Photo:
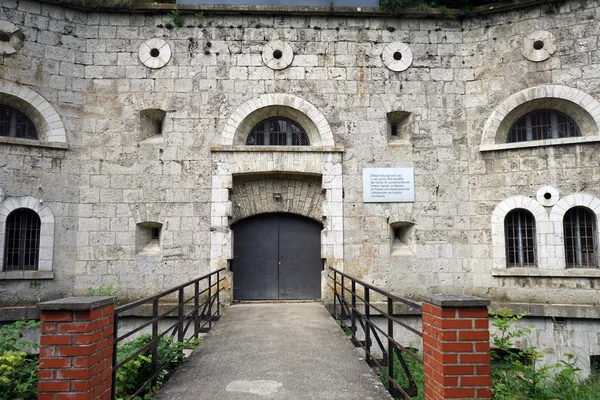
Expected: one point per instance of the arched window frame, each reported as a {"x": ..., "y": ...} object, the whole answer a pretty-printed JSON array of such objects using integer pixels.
[
  {"x": 265, "y": 132},
  {"x": 580, "y": 238},
  {"x": 46, "y": 243},
  {"x": 543, "y": 124},
  {"x": 21, "y": 241},
  {"x": 15, "y": 123},
  {"x": 520, "y": 239},
  {"x": 48, "y": 124},
  {"x": 581, "y": 107}
]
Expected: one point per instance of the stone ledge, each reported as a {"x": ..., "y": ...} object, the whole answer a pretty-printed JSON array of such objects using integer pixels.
[
  {"x": 539, "y": 143},
  {"x": 311, "y": 10},
  {"x": 13, "y": 275},
  {"x": 33, "y": 143},
  {"x": 559, "y": 273},
  {"x": 77, "y": 303},
  {"x": 455, "y": 300},
  {"x": 579, "y": 311},
  {"x": 276, "y": 149}
]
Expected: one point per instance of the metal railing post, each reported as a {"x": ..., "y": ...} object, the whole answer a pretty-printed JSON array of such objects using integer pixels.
[
  {"x": 335, "y": 293},
  {"x": 218, "y": 293},
  {"x": 342, "y": 302},
  {"x": 367, "y": 328},
  {"x": 154, "y": 347},
  {"x": 390, "y": 360},
  {"x": 210, "y": 301},
  {"x": 196, "y": 309},
  {"x": 354, "y": 310},
  {"x": 180, "y": 316}
]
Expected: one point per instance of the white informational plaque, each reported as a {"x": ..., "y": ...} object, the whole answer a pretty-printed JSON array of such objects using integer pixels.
[{"x": 388, "y": 185}]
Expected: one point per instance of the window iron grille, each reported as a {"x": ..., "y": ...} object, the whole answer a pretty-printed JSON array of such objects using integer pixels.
[
  {"x": 277, "y": 131},
  {"x": 579, "y": 226},
  {"x": 543, "y": 124},
  {"x": 14, "y": 123},
  {"x": 519, "y": 231},
  {"x": 22, "y": 240}
]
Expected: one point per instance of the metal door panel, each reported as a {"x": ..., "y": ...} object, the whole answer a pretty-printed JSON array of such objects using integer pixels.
[
  {"x": 300, "y": 258},
  {"x": 254, "y": 263},
  {"x": 277, "y": 256}
]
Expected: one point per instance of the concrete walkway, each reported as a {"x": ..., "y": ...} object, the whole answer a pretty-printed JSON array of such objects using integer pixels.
[{"x": 291, "y": 351}]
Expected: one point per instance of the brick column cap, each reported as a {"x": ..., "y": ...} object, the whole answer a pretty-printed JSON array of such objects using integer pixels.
[
  {"x": 456, "y": 300},
  {"x": 77, "y": 303}
]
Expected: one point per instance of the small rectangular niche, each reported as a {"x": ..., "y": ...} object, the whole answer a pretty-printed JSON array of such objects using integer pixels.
[
  {"x": 152, "y": 123},
  {"x": 148, "y": 238},
  {"x": 402, "y": 238},
  {"x": 595, "y": 365},
  {"x": 399, "y": 127}
]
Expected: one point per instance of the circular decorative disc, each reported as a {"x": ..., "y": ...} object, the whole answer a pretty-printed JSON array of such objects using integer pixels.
[
  {"x": 155, "y": 53},
  {"x": 397, "y": 56},
  {"x": 277, "y": 55},
  {"x": 538, "y": 46},
  {"x": 547, "y": 196}
]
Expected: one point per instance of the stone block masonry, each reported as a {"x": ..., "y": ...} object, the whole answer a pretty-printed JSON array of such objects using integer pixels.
[
  {"x": 456, "y": 347},
  {"x": 76, "y": 348}
]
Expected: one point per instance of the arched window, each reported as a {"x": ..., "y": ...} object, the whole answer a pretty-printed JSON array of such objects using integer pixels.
[
  {"x": 519, "y": 232},
  {"x": 542, "y": 124},
  {"x": 579, "y": 226},
  {"x": 22, "y": 240},
  {"x": 277, "y": 131},
  {"x": 14, "y": 123}
]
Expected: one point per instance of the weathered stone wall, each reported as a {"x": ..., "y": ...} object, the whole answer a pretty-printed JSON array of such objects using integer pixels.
[{"x": 86, "y": 65}]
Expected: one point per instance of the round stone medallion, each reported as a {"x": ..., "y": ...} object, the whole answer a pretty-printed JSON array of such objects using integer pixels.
[
  {"x": 547, "y": 196},
  {"x": 277, "y": 55},
  {"x": 538, "y": 46},
  {"x": 155, "y": 53},
  {"x": 397, "y": 56}
]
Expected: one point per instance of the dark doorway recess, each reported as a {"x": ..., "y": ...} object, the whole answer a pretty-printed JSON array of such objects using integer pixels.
[{"x": 277, "y": 257}]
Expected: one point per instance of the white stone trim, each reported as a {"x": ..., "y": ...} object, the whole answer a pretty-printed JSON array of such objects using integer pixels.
[
  {"x": 547, "y": 190},
  {"x": 46, "y": 119},
  {"x": 583, "y": 108},
  {"x": 543, "y": 228},
  {"x": 312, "y": 120},
  {"x": 46, "y": 230}
]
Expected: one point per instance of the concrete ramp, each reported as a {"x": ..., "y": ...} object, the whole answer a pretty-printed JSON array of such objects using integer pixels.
[{"x": 290, "y": 351}]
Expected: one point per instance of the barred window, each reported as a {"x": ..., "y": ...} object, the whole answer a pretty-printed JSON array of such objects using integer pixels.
[
  {"x": 277, "y": 131},
  {"x": 519, "y": 231},
  {"x": 543, "y": 124},
  {"x": 14, "y": 123},
  {"x": 579, "y": 226},
  {"x": 22, "y": 240}
]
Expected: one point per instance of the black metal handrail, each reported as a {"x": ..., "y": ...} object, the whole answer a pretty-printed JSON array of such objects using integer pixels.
[
  {"x": 349, "y": 310},
  {"x": 202, "y": 315}
]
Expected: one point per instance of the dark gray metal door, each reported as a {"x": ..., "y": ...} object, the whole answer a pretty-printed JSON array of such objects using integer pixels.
[{"x": 277, "y": 257}]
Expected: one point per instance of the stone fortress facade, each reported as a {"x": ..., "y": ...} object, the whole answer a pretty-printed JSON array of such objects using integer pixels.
[{"x": 140, "y": 163}]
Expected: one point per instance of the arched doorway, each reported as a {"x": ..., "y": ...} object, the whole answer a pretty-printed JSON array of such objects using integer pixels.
[{"x": 277, "y": 256}]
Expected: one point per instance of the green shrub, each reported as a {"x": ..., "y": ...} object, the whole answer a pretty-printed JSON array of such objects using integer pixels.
[
  {"x": 134, "y": 373},
  {"x": 414, "y": 367},
  {"x": 18, "y": 369}
]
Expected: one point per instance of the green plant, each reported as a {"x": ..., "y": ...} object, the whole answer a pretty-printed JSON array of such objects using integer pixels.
[
  {"x": 106, "y": 290},
  {"x": 18, "y": 368},
  {"x": 132, "y": 375},
  {"x": 199, "y": 16},
  {"x": 176, "y": 17},
  {"x": 415, "y": 369}
]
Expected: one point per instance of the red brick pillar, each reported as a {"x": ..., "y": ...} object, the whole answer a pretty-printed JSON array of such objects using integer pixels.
[
  {"x": 456, "y": 347},
  {"x": 76, "y": 348}
]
